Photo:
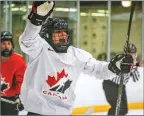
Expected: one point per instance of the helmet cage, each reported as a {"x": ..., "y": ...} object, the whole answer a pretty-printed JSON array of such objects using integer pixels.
[
  {"x": 56, "y": 25},
  {"x": 59, "y": 44}
]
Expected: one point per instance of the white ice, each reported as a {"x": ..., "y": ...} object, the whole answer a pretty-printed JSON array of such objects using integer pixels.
[{"x": 130, "y": 112}]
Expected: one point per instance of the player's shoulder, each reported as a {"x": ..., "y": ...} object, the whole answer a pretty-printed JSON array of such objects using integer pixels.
[
  {"x": 17, "y": 56},
  {"x": 80, "y": 53}
]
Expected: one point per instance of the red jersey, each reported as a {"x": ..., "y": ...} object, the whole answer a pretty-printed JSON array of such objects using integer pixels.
[{"x": 12, "y": 73}]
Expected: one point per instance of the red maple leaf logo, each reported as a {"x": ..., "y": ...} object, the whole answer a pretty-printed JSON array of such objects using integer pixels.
[
  {"x": 4, "y": 86},
  {"x": 51, "y": 79}
]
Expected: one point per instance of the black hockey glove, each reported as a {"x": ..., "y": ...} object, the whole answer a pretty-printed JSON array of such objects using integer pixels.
[
  {"x": 40, "y": 11},
  {"x": 19, "y": 105},
  {"x": 121, "y": 63}
]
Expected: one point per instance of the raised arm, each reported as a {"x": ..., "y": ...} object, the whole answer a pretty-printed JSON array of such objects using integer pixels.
[
  {"x": 102, "y": 69},
  {"x": 98, "y": 69},
  {"x": 30, "y": 41}
]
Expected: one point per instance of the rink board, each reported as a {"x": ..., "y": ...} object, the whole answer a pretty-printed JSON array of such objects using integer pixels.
[
  {"x": 89, "y": 93},
  {"x": 104, "y": 108}
]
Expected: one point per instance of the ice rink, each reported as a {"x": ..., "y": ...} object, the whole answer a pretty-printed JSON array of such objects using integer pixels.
[{"x": 130, "y": 112}]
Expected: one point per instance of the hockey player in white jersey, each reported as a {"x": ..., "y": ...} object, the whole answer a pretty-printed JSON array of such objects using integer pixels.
[{"x": 55, "y": 66}]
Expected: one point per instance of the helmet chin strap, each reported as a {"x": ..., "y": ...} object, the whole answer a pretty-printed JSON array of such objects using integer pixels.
[
  {"x": 6, "y": 53},
  {"x": 60, "y": 48}
]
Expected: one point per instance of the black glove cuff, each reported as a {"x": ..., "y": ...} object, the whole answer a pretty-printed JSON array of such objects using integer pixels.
[{"x": 36, "y": 19}]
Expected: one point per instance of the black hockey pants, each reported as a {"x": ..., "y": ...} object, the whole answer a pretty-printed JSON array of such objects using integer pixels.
[
  {"x": 8, "y": 109},
  {"x": 111, "y": 93}
]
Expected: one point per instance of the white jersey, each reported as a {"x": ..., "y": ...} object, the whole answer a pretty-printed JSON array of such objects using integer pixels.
[{"x": 50, "y": 78}]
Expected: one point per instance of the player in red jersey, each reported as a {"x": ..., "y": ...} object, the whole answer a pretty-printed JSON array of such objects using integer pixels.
[{"x": 12, "y": 72}]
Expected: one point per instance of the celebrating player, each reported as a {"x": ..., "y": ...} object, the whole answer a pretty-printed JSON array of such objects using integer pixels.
[{"x": 55, "y": 66}]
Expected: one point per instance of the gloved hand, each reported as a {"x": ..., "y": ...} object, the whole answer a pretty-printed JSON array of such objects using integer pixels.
[
  {"x": 40, "y": 11},
  {"x": 121, "y": 63},
  {"x": 19, "y": 105}
]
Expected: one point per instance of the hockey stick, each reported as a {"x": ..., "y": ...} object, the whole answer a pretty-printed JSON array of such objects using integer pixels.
[
  {"x": 125, "y": 51},
  {"x": 90, "y": 111},
  {"x": 18, "y": 107},
  {"x": 8, "y": 101}
]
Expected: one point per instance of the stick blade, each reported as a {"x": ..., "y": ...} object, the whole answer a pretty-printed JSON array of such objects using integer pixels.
[{"x": 90, "y": 111}]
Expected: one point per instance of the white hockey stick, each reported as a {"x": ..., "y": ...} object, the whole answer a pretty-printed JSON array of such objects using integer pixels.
[
  {"x": 90, "y": 111},
  {"x": 8, "y": 101}
]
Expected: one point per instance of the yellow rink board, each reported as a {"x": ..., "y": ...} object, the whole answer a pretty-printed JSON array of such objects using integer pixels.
[{"x": 104, "y": 108}]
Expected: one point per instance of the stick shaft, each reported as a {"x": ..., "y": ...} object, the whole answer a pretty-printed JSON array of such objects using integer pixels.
[
  {"x": 125, "y": 51},
  {"x": 129, "y": 26},
  {"x": 8, "y": 101}
]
